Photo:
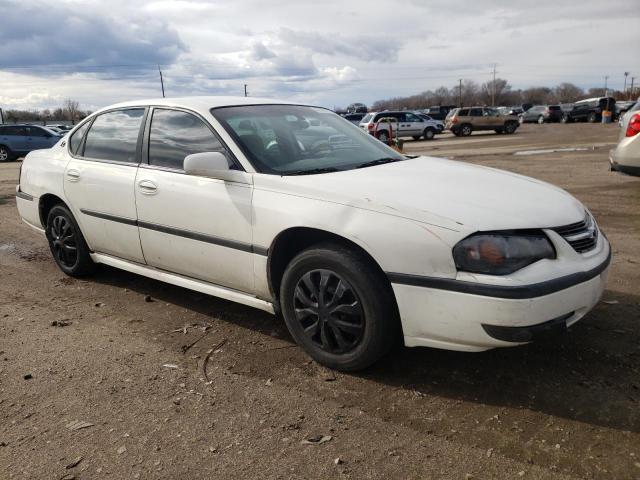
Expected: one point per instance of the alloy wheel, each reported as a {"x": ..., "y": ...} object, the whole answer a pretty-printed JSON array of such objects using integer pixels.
[
  {"x": 4, "y": 154},
  {"x": 63, "y": 241},
  {"x": 329, "y": 311}
]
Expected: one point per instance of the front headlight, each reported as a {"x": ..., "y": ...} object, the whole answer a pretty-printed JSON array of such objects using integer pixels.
[{"x": 496, "y": 253}]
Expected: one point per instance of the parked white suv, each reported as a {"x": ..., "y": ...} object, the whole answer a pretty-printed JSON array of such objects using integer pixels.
[
  {"x": 408, "y": 124},
  {"x": 290, "y": 209}
]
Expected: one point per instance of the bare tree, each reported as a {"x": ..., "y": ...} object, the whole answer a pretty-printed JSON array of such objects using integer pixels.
[
  {"x": 568, "y": 92},
  {"x": 72, "y": 108},
  {"x": 498, "y": 88}
]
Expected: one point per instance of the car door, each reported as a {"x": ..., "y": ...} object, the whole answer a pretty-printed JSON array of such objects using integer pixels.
[
  {"x": 39, "y": 138},
  {"x": 99, "y": 181},
  {"x": 416, "y": 125},
  {"x": 195, "y": 226},
  {"x": 15, "y": 136},
  {"x": 477, "y": 119}
]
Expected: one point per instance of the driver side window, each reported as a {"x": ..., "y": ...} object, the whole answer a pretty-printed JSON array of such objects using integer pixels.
[{"x": 175, "y": 134}]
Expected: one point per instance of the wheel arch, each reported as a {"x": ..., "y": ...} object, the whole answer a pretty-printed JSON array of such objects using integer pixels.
[
  {"x": 290, "y": 242},
  {"x": 45, "y": 204}
]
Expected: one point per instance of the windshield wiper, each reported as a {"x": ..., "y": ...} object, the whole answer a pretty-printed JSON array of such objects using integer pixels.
[
  {"x": 379, "y": 161},
  {"x": 312, "y": 171}
]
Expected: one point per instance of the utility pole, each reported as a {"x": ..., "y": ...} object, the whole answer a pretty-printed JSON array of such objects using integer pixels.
[
  {"x": 631, "y": 89},
  {"x": 245, "y": 89},
  {"x": 606, "y": 91},
  {"x": 624, "y": 89},
  {"x": 460, "y": 94},
  {"x": 161, "y": 81},
  {"x": 493, "y": 87}
]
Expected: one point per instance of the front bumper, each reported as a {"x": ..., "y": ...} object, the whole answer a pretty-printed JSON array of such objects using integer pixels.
[{"x": 467, "y": 320}]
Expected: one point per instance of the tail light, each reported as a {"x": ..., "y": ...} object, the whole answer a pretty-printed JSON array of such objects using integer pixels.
[
  {"x": 454, "y": 120},
  {"x": 633, "y": 128},
  {"x": 371, "y": 126}
]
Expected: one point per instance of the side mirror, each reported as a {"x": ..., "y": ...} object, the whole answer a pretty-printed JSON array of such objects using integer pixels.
[{"x": 213, "y": 165}]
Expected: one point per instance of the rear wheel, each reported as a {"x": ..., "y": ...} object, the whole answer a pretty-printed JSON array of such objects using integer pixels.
[
  {"x": 5, "y": 154},
  {"x": 338, "y": 307},
  {"x": 565, "y": 119},
  {"x": 429, "y": 133},
  {"x": 592, "y": 117},
  {"x": 383, "y": 136},
  {"x": 465, "y": 130},
  {"x": 540, "y": 119},
  {"x": 69, "y": 249}
]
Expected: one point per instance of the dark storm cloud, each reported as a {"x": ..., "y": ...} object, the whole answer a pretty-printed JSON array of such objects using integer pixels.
[{"x": 51, "y": 38}]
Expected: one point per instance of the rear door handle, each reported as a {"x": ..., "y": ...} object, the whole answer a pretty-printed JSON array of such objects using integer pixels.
[
  {"x": 73, "y": 175},
  {"x": 147, "y": 187}
]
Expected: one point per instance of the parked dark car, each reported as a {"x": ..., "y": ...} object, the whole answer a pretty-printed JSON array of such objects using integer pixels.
[
  {"x": 590, "y": 110},
  {"x": 542, "y": 114},
  {"x": 526, "y": 106},
  {"x": 623, "y": 107},
  {"x": 439, "y": 112},
  {"x": 18, "y": 140},
  {"x": 354, "y": 117}
]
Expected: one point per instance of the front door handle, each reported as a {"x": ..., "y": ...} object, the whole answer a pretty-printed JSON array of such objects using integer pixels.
[
  {"x": 73, "y": 175},
  {"x": 147, "y": 187}
]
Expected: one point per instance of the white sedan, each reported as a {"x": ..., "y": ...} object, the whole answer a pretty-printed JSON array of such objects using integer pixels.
[{"x": 292, "y": 209}]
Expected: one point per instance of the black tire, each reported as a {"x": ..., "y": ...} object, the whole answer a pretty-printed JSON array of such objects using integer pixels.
[
  {"x": 466, "y": 130},
  {"x": 592, "y": 118},
  {"x": 455, "y": 131},
  {"x": 429, "y": 133},
  {"x": 367, "y": 325},
  {"x": 499, "y": 131},
  {"x": 540, "y": 120},
  {"x": 510, "y": 128},
  {"x": 5, "y": 154},
  {"x": 67, "y": 245},
  {"x": 383, "y": 136},
  {"x": 565, "y": 119}
]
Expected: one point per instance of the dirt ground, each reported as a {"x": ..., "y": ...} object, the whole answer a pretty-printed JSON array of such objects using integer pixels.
[{"x": 565, "y": 409}]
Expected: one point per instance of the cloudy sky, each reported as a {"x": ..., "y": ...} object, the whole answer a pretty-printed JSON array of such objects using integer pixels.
[{"x": 329, "y": 52}]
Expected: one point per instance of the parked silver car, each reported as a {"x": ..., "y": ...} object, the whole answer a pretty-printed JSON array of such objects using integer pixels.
[
  {"x": 626, "y": 156},
  {"x": 408, "y": 124}
]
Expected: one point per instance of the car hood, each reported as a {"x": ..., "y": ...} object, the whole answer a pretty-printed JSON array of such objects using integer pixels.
[{"x": 441, "y": 192}]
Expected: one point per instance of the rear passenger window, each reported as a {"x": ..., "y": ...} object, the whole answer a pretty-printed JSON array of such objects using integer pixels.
[
  {"x": 37, "y": 132},
  {"x": 463, "y": 112},
  {"x": 76, "y": 139},
  {"x": 476, "y": 112},
  {"x": 114, "y": 136},
  {"x": 175, "y": 134}
]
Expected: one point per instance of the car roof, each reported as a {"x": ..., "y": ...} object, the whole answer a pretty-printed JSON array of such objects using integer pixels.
[{"x": 201, "y": 103}]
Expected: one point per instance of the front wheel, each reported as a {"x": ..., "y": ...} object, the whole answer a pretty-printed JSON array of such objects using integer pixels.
[
  {"x": 592, "y": 117},
  {"x": 338, "y": 307},
  {"x": 69, "y": 249},
  {"x": 540, "y": 119},
  {"x": 5, "y": 154},
  {"x": 510, "y": 128},
  {"x": 429, "y": 133}
]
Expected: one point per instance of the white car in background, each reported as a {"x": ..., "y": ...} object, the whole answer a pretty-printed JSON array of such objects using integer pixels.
[
  {"x": 626, "y": 156},
  {"x": 288, "y": 208}
]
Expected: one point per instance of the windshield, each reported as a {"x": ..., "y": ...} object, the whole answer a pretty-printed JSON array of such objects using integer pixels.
[{"x": 294, "y": 140}]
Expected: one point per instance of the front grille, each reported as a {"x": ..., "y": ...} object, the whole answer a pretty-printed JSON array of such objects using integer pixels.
[{"x": 582, "y": 236}]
